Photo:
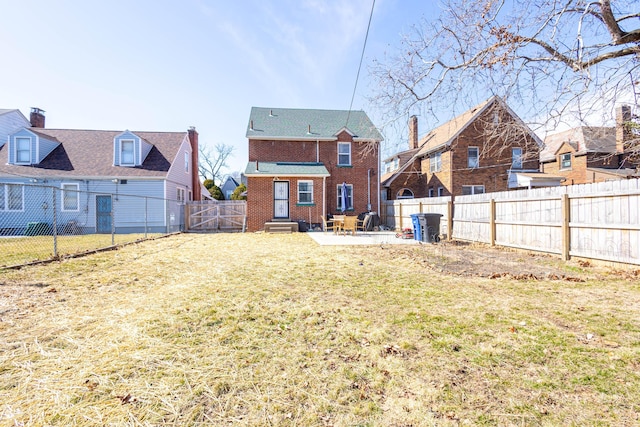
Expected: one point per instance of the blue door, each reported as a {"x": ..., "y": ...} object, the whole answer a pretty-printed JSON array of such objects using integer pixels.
[{"x": 103, "y": 214}]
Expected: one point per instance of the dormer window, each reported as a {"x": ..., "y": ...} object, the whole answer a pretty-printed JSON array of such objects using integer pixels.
[
  {"x": 23, "y": 150},
  {"x": 126, "y": 152},
  {"x": 130, "y": 150}
]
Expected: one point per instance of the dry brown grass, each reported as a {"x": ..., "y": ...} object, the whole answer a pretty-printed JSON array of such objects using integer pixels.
[{"x": 255, "y": 329}]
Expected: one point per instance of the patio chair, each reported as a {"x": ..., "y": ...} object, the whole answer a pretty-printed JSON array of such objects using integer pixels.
[
  {"x": 327, "y": 224},
  {"x": 350, "y": 225},
  {"x": 338, "y": 223}
]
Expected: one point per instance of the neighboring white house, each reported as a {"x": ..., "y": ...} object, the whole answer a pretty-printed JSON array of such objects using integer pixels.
[{"x": 95, "y": 171}]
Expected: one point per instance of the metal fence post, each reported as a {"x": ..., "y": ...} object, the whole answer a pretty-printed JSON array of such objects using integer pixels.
[
  {"x": 55, "y": 223},
  {"x": 113, "y": 223},
  {"x": 146, "y": 217}
]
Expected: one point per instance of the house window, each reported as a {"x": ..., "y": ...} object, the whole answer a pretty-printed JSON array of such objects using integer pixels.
[
  {"x": 186, "y": 162},
  {"x": 344, "y": 153},
  {"x": 305, "y": 192},
  {"x": 349, "y": 197},
  {"x": 23, "y": 150},
  {"x": 565, "y": 161},
  {"x": 440, "y": 191},
  {"x": 11, "y": 197},
  {"x": 472, "y": 157},
  {"x": 126, "y": 152},
  {"x": 431, "y": 192},
  {"x": 516, "y": 158},
  {"x": 180, "y": 195},
  {"x": 70, "y": 197},
  {"x": 435, "y": 162},
  {"x": 405, "y": 193},
  {"x": 472, "y": 189}
]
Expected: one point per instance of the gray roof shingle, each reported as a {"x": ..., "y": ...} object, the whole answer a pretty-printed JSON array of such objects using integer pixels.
[{"x": 309, "y": 124}]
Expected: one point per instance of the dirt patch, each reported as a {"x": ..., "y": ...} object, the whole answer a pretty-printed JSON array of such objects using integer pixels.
[{"x": 478, "y": 260}]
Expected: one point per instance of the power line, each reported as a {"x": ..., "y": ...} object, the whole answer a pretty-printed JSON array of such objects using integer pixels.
[{"x": 360, "y": 65}]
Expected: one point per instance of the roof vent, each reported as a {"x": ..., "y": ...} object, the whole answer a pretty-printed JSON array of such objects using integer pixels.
[
  {"x": 270, "y": 113},
  {"x": 309, "y": 130},
  {"x": 250, "y": 124}
]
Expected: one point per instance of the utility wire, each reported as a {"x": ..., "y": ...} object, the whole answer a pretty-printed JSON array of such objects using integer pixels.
[{"x": 361, "y": 58}]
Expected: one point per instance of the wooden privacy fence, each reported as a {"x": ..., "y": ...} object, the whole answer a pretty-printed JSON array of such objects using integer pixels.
[
  {"x": 396, "y": 214},
  {"x": 216, "y": 216},
  {"x": 597, "y": 221}
]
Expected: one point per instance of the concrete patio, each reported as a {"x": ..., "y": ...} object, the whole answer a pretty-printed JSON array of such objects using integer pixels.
[{"x": 361, "y": 238}]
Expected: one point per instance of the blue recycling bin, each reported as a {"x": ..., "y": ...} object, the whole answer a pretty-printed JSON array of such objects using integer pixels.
[{"x": 417, "y": 227}]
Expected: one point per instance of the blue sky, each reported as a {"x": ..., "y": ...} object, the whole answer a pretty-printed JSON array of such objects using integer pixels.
[{"x": 167, "y": 65}]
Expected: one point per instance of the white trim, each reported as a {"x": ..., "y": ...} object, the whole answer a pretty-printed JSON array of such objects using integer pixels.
[
  {"x": 477, "y": 165},
  {"x": 76, "y": 191},
  {"x": 15, "y": 150},
  {"x": 308, "y": 181},
  {"x": 133, "y": 150},
  {"x": 350, "y": 154},
  {"x": 5, "y": 189}
]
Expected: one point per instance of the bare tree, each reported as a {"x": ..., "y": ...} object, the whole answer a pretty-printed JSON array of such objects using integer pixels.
[
  {"x": 213, "y": 161},
  {"x": 555, "y": 62}
]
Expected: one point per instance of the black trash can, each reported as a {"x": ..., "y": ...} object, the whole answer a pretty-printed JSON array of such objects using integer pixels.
[
  {"x": 303, "y": 226},
  {"x": 430, "y": 226}
]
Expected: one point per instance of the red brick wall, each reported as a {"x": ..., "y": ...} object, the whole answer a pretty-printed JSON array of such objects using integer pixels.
[
  {"x": 364, "y": 157},
  {"x": 578, "y": 173},
  {"x": 495, "y": 157}
]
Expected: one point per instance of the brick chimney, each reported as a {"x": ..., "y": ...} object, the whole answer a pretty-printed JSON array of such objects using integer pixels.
[
  {"x": 623, "y": 132},
  {"x": 37, "y": 117},
  {"x": 413, "y": 132},
  {"x": 195, "y": 178}
]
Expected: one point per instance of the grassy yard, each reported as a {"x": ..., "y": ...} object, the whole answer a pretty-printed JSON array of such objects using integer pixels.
[
  {"x": 255, "y": 329},
  {"x": 26, "y": 249}
]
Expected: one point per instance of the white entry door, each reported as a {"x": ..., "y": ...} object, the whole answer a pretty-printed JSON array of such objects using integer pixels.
[{"x": 281, "y": 199}]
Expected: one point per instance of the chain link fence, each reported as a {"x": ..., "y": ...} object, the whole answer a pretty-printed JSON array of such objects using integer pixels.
[{"x": 39, "y": 222}]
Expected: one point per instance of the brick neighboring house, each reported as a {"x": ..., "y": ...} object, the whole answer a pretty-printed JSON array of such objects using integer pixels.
[
  {"x": 588, "y": 154},
  {"x": 485, "y": 149},
  {"x": 299, "y": 160}
]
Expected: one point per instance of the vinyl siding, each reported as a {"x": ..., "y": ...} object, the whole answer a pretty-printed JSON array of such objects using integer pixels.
[{"x": 9, "y": 123}]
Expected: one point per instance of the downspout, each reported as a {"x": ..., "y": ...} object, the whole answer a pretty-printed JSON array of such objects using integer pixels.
[
  {"x": 317, "y": 151},
  {"x": 324, "y": 196},
  {"x": 369, "y": 189}
]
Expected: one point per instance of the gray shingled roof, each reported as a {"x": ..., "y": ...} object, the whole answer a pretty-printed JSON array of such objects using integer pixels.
[
  {"x": 309, "y": 124},
  {"x": 285, "y": 169},
  {"x": 89, "y": 153},
  {"x": 584, "y": 139}
]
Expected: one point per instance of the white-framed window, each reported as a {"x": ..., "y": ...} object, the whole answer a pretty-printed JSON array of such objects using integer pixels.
[
  {"x": 70, "y": 197},
  {"x": 186, "y": 162},
  {"x": 23, "y": 150},
  {"x": 180, "y": 193},
  {"x": 565, "y": 161},
  {"x": 440, "y": 191},
  {"x": 305, "y": 192},
  {"x": 11, "y": 197},
  {"x": 431, "y": 192},
  {"x": 404, "y": 193},
  {"x": 126, "y": 152},
  {"x": 344, "y": 154},
  {"x": 435, "y": 162},
  {"x": 190, "y": 195},
  {"x": 349, "y": 197},
  {"x": 516, "y": 158},
  {"x": 472, "y": 157},
  {"x": 472, "y": 189}
]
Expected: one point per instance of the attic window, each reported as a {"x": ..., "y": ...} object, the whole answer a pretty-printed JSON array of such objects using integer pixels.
[
  {"x": 126, "y": 152},
  {"x": 565, "y": 161},
  {"x": 23, "y": 150}
]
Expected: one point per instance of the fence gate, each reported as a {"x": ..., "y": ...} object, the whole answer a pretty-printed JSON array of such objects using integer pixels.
[{"x": 216, "y": 216}]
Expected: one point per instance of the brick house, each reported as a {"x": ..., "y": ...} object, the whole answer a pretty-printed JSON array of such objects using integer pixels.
[
  {"x": 299, "y": 160},
  {"x": 588, "y": 154},
  {"x": 486, "y": 149}
]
